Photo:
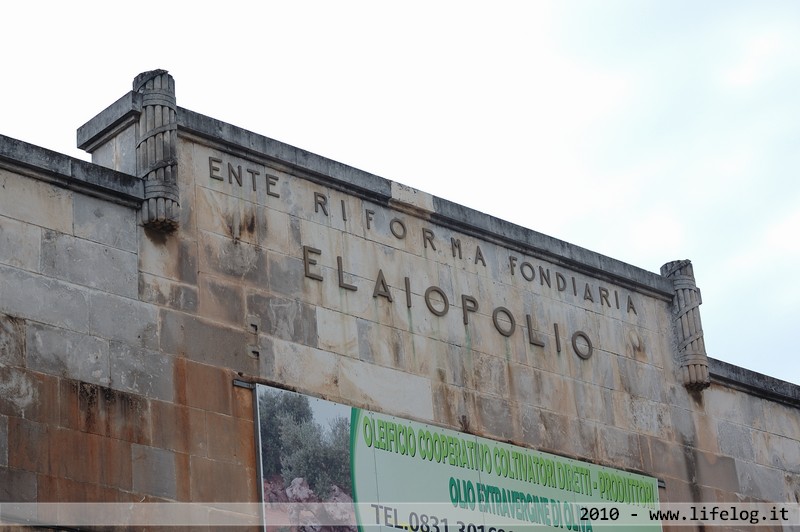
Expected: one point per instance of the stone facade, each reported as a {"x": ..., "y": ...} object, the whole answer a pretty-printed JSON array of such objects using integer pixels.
[{"x": 121, "y": 340}]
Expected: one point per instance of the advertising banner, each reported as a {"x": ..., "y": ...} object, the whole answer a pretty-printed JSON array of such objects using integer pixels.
[{"x": 323, "y": 461}]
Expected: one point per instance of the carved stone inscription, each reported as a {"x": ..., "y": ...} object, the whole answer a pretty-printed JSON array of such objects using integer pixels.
[{"x": 505, "y": 321}]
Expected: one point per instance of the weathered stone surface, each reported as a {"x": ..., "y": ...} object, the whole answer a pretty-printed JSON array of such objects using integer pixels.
[
  {"x": 283, "y": 318},
  {"x": 714, "y": 471},
  {"x": 234, "y": 259},
  {"x": 496, "y": 416},
  {"x": 154, "y": 471},
  {"x": 141, "y": 371},
  {"x": 230, "y": 216},
  {"x": 179, "y": 428},
  {"x": 67, "y": 305},
  {"x": 28, "y": 394},
  {"x": 379, "y": 344},
  {"x": 21, "y": 453},
  {"x": 759, "y": 482},
  {"x": 167, "y": 293},
  {"x": 17, "y": 486},
  {"x": 89, "y": 264},
  {"x": 221, "y": 301},
  {"x": 300, "y": 367},
  {"x": 67, "y": 354},
  {"x": 618, "y": 447},
  {"x": 205, "y": 341},
  {"x": 171, "y": 258},
  {"x": 215, "y": 481},
  {"x": 104, "y": 411},
  {"x": 3, "y": 440},
  {"x": 125, "y": 320},
  {"x": 386, "y": 389},
  {"x": 736, "y": 441},
  {"x": 230, "y": 439},
  {"x": 337, "y": 332},
  {"x": 35, "y": 202},
  {"x": 105, "y": 223},
  {"x": 20, "y": 244},
  {"x": 286, "y": 275},
  {"x": 12, "y": 341},
  {"x": 203, "y": 386}
]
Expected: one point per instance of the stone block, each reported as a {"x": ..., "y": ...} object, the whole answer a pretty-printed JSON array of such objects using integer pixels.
[
  {"x": 386, "y": 390},
  {"x": 23, "y": 293},
  {"x": 286, "y": 319},
  {"x": 243, "y": 400},
  {"x": 491, "y": 375},
  {"x": 179, "y": 428},
  {"x": 760, "y": 482},
  {"x": 221, "y": 301},
  {"x": 141, "y": 371},
  {"x": 664, "y": 458},
  {"x": 712, "y": 470},
  {"x": 12, "y": 341},
  {"x": 17, "y": 486},
  {"x": 779, "y": 419},
  {"x": 171, "y": 258},
  {"x": 451, "y": 407},
  {"x": 230, "y": 439},
  {"x": 207, "y": 342},
  {"x": 20, "y": 244},
  {"x": 736, "y": 441},
  {"x": 53, "y": 489},
  {"x": 138, "y": 328},
  {"x": 724, "y": 403},
  {"x": 553, "y": 392},
  {"x": 35, "y": 202},
  {"x": 89, "y": 264},
  {"x": 380, "y": 344},
  {"x": 203, "y": 386},
  {"x": 215, "y": 481},
  {"x": 28, "y": 444},
  {"x": 106, "y": 223},
  {"x": 553, "y": 431},
  {"x": 594, "y": 402},
  {"x": 78, "y": 455},
  {"x": 234, "y": 259},
  {"x": 104, "y": 411},
  {"x": 230, "y": 216},
  {"x": 300, "y": 367},
  {"x": 641, "y": 380},
  {"x": 286, "y": 274},
  {"x": 649, "y": 417},
  {"x": 496, "y": 417},
  {"x": 154, "y": 471},
  {"x": 777, "y": 451},
  {"x": 3, "y": 441},
  {"x": 618, "y": 448},
  {"x": 337, "y": 332},
  {"x": 28, "y": 394},
  {"x": 67, "y": 354},
  {"x": 167, "y": 293}
]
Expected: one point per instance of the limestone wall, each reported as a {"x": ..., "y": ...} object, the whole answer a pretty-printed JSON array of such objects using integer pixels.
[{"x": 119, "y": 345}]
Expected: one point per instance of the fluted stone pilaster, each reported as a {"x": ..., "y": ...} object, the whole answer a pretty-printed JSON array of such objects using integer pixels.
[
  {"x": 156, "y": 149},
  {"x": 687, "y": 326}
]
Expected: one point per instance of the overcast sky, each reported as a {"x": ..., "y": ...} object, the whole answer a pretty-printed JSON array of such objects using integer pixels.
[{"x": 645, "y": 131}]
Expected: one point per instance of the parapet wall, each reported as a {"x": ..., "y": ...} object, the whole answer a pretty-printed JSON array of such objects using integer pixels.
[{"x": 121, "y": 340}]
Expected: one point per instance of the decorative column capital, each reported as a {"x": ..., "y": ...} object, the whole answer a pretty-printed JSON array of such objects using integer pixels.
[{"x": 687, "y": 327}]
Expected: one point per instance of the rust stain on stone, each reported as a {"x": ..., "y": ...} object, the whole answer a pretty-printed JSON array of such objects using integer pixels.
[
  {"x": 112, "y": 413},
  {"x": 179, "y": 380}
]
